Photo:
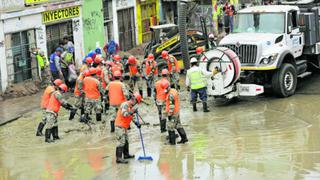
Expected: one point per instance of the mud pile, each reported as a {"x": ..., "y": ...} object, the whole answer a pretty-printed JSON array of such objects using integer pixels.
[{"x": 25, "y": 88}]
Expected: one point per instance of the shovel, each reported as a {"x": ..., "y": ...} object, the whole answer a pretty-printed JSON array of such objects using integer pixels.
[{"x": 144, "y": 157}]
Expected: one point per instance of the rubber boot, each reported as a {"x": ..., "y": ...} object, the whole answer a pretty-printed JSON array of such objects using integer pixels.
[
  {"x": 98, "y": 116},
  {"x": 40, "y": 128},
  {"x": 183, "y": 136},
  {"x": 106, "y": 107},
  {"x": 149, "y": 92},
  {"x": 172, "y": 138},
  {"x": 163, "y": 123},
  {"x": 48, "y": 133},
  {"x": 119, "y": 152},
  {"x": 112, "y": 126},
  {"x": 194, "y": 105},
  {"x": 141, "y": 93},
  {"x": 81, "y": 110},
  {"x": 55, "y": 133},
  {"x": 126, "y": 154},
  {"x": 205, "y": 107}
]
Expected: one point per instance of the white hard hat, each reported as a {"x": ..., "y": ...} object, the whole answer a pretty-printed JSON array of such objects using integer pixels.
[
  {"x": 211, "y": 36},
  {"x": 193, "y": 60}
]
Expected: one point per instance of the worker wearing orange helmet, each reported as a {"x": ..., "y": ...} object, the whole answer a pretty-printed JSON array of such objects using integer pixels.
[
  {"x": 44, "y": 103},
  {"x": 117, "y": 92},
  {"x": 92, "y": 89},
  {"x": 79, "y": 93},
  {"x": 55, "y": 102},
  {"x": 173, "y": 68},
  {"x": 160, "y": 99},
  {"x": 117, "y": 65},
  {"x": 135, "y": 74},
  {"x": 125, "y": 114},
  {"x": 105, "y": 80},
  {"x": 151, "y": 73},
  {"x": 97, "y": 61},
  {"x": 173, "y": 113},
  {"x": 86, "y": 64}
]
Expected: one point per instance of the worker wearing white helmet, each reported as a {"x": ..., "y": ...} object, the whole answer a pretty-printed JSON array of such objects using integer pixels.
[
  {"x": 196, "y": 80},
  {"x": 212, "y": 43}
]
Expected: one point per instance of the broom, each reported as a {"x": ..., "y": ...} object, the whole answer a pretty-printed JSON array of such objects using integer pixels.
[{"x": 142, "y": 158}]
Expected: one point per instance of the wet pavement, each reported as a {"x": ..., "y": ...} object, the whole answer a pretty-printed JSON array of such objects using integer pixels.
[{"x": 256, "y": 138}]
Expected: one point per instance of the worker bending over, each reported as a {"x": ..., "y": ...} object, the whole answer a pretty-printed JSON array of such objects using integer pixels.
[{"x": 125, "y": 115}]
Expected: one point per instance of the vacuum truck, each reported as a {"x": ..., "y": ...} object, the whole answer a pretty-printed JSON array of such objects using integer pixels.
[{"x": 275, "y": 45}]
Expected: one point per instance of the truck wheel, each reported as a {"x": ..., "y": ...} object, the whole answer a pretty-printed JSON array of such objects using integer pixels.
[{"x": 284, "y": 80}]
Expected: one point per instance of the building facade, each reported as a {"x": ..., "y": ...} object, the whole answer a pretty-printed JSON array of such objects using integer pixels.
[{"x": 29, "y": 24}]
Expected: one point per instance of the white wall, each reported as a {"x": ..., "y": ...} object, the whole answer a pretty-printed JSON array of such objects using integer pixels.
[
  {"x": 78, "y": 40},
  {"x": 115, "y": 21},
  {"x": 3, "y": 65}
]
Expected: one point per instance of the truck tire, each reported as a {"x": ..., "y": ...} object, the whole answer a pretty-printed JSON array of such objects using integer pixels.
[{"x": 284, "y": 80}]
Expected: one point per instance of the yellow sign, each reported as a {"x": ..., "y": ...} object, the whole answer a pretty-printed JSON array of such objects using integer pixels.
[
  {"x": 167, "y": 44},
  {"x": 35, "y": 1},
  {"x": 60, "y": 14}
]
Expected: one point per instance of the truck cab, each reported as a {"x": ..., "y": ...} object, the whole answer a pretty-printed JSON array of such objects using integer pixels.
[{"x": 272, "y": 47}]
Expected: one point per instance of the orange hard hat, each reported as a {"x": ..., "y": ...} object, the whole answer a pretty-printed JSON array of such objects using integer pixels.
[
  {"x": 199, "y": 50},
  {"x": 164, "y": 54},
  {"x": 151, "y": 57},
  {"x": 89, "y": 60},
  {"x": 57, "y": 82},
  {"x": 164, "y": 72},
  {"x": 165, "y": 84},
  {"x": 132, "y": 60},
  {"x": 117, "y": 74},
  {"x": 116, "y": 57},
  {"x": 63, "y": 88},
  {"x": 98, "y": 60},
  {"x": 93, "y": 71},
  {"x": 137, "y": 97},
  {"x": 98, "y": 71},
  {"x": 86, "y": 72}
]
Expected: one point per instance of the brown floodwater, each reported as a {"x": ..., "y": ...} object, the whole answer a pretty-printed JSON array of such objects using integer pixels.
[{"x": 256, "y": 138}]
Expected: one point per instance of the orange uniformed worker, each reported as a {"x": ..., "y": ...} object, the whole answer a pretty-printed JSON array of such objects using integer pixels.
[
  {"x": 78, "y": 92},
  {"x": 44, "y": 103},
  {"x": 105, "y": 79},
  {"x": 173, "y": 113},
  {"x": 116, "y": 65},
  {"x": 118, "y": 94},
  {"x": 87, "y": 64},
  {"x": 160, "y": 96},
  {"x": 151, "y": 73},
  {"x": 135, "y": 74},
  {"x": 124, "y": 117},
  {"x": 173, "y": 68},
  {"x": 55, "y": 102},
  {"x": 92, "y": 88}
]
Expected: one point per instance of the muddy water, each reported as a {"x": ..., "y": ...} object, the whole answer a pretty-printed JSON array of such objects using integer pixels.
[{"x": 256, "y": 138}]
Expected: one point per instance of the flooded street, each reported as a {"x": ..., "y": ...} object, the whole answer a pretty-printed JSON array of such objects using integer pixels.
[{"x": 256, "y": 138}]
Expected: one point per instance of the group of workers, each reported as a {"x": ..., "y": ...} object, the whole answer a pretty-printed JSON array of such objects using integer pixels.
[{"x": 100, "y": 84}]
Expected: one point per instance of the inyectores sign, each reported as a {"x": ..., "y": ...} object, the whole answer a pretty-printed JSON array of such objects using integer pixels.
[{"x": 60, "y": 14}]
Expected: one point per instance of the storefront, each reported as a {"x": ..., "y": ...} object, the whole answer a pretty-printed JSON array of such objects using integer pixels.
[
  {"x": 148, "y": 14},
  {"x": 39, "y": 27},
  {"x": 126, "y": 24},
  {"x": 63, "y": 22}
]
